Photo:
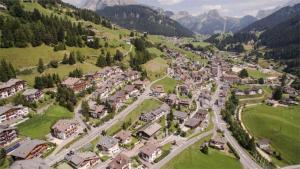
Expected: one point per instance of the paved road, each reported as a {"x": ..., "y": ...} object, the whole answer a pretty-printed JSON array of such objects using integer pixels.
[
  {"x": 179, "y": 149},
  {"x": 245, "y": 158},
  {"x": 94, "y": 133}
]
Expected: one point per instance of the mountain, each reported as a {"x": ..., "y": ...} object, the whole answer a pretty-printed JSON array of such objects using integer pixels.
[
  {"x": 264, "y": 13},
  {"x": 212, "y": 22},
  {"x": 101, "y": 4},
  {"x": 276, "y": 36},
  {"x": 274, "y": 19},
  {"x": 144, "y": 19}
]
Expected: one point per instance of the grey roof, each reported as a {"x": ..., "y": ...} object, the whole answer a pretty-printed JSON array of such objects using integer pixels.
[
  {"x": 10, "y": 83},
  {"x": 79, "y": 157},
  {"x": 180, "y": 114},
  {"x": 4, "y": 109},
  {"x": 63, "y": 125},
  {"x": 30, "y": 92},
  {"x": 263, "y": 142},
  {"x": 26, "y": 146},
  {"x": 36, "y": 163},
  {"x": 108, "y": 142},
  {"x": 192, "y": 122},
  {"x": 5, "y": 128},
  {"x": 151, "y": 129}
]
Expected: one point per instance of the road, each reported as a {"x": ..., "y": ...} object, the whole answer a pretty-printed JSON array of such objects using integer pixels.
[
  {"x": 95, "y": 132},
  {"x": 245, "y": 158}
]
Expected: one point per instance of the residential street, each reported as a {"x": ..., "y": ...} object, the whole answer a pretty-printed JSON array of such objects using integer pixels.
[
  {"x": 94, "y": 133},
  {"x": 245, "y": 158}
]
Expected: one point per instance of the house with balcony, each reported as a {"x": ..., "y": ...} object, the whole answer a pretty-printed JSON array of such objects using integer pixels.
[
  {"x": 9, "y": 112},
  {"x": 33, "y": 95},
  {"x": 29, "y": 149},
  {"x": 82, "y": 160},
  {"x": 64, "y": 129},
  {"x": 11, "y": 87},
  {"x": 7, "y": 135}
]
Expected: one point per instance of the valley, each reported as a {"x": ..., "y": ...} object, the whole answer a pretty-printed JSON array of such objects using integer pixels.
[{"x": 118, "y": 84}]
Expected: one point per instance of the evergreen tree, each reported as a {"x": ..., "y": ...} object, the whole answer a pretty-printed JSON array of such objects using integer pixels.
[
  {"x": 85, "y": 110},
  {"x": 76, "y": 73},
  {"x": 277, "y": 94},
  {"x": 2, "y": 156},
  {"x": 65, "y": 59},
  {"x": 7, "y": 71},
  {"x": 72, "y": 59},
  {"x": 261, "y": 81},
  {"x": 118, "y": 56},
  {"x": 41, "y": 67},
  {"x": 101, "y": 61},
  {"x": 243, "y": 74},
  {"x": 108, "y": 59}
]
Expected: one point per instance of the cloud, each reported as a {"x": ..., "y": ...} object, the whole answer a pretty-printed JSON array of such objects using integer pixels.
[
  {"x": 169, "y": 2},
  {"x": 206, "y": 8}
]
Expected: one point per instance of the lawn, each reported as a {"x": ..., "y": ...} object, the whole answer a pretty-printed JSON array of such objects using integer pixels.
[
  {"x": 156, "y": 68},
  {"x": 146, "y": 106},
  {"x": 192, "y": 158},
  {"x": 39, "y": 125},
  {"x": 62, "y": 71},
  {"x": 280, "y": 125},
  {"x": 155, "y": 51},
  {"x": 19, "y": 57},
  {"x": 256, "y": 74},
  {"x": 168, "y": 83}
]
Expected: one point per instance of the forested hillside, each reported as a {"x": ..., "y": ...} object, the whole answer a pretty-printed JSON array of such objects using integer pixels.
[
  {"x": 25, "y": 28},
  {"x": 144, "y": 19},
  {"x": 279, "y": 33}
]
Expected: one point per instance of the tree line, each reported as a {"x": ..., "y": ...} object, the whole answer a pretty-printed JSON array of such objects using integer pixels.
[
  {"x": 7, "y": 71},
  {"x": 35, "y": 28}
]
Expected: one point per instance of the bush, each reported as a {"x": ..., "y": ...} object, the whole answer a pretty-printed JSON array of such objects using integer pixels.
[{"x": 53, "y": 64}]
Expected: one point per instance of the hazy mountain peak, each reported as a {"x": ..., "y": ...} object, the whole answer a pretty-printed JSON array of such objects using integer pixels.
[
  {"x": 264, "y": 13},
  {"x": 100, "y": 4}
]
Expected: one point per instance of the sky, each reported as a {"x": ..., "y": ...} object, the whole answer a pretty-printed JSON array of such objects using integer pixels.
[{"x": 235, "y": 8}]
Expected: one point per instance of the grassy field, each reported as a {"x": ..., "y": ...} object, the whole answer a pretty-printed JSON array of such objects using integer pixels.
[
  {"x": 39, "y": 125},
  {"x": 279, "y": 125},
  {"x": 256, "y": 74},
  {"x": 155, "y": 51},
  {"x": 147, "y": 105},
  {"x": 156, "y": 68},
  {"x": 168, "y": 83},
  {"x": 192, "y": 158},
  {"x": 62, "y": 71}
]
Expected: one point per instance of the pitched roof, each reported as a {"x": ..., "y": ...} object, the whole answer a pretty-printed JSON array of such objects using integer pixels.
[
  {"x": 36, "y": 163},
  {"x": 180, "y": 114},
  {"x": 5, "y": 108},
  {"x": 192, "y": 122},
  {"x": 63, "y": 125},
  {"x": 30, "y": 92},
  {"x": 10, "y": 83},
  {"x": 123, "y": 135},
  {"x": 108, "y": 142},
  {"x": 70, "y": 81},
  {"x": 119, "y": 162},
  {"x": 79, "y": 157},
  {"x": 6, "y": 127},
  {"x": 149, "y": 148},
  {"x": 151, "y": 129},
  {"x": 26, "y": 146}
]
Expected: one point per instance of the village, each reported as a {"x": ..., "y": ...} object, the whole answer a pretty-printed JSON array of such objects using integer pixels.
[{"x": 185, "y": 112}]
